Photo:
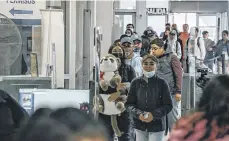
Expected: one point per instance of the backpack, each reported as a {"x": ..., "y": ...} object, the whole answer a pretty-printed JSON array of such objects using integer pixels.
[{"x": 198, "y": 43}]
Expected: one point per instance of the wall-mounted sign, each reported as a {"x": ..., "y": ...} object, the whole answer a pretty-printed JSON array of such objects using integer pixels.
[
  {"x": 22, "y": 9},
  {"x": 156, "y": 11}
]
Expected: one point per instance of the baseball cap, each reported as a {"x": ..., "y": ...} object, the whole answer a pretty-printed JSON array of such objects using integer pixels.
[
  {"x": 136, "y": 37},
  {"x": 126, "y": 40}
]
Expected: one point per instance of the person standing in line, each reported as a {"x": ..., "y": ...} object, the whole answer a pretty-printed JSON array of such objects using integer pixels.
[
  {"x": 184, "y": 37},
  {"x": 170, "y": 70},
  {"x": 149, "y": 102},
  {"x": 209, "y": 50}
]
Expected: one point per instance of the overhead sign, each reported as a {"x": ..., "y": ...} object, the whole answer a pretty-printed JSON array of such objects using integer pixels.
[
  {"x": 22, "y": 9},
  {"x": 156, "y": 11}
]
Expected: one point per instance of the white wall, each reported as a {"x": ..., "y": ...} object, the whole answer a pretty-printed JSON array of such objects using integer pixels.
[
  {"x": 157, "y": 22},
  {"x": 157, "y": 4},
  {"x": 104, "y": 18}
]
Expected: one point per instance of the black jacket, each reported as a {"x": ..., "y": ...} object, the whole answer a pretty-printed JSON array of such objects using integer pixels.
[
  {"x": 145, "y": 46},
  {"x": 153, "y": 97},
  {"x": 12, "y": 116},
  {"x": 127, "y": 72}
]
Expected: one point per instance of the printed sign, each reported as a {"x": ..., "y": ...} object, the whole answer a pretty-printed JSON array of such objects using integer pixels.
[
  {"x": 22, "y": 9},
  {"x": 156, "y": 11}
]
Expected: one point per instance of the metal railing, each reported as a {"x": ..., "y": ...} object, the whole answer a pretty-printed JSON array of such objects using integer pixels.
[{"x": 190, "y": 91}]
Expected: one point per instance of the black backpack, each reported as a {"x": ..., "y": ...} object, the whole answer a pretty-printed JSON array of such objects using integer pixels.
[{"x": 198, "y": 42}]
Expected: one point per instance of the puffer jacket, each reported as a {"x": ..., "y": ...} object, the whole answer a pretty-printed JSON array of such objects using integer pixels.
[{"x": 153, "y": 97}]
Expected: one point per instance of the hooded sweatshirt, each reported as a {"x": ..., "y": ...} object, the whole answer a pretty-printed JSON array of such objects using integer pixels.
[
  {"x": 135, "y": 62},
  {"x": 174, "y": 46}
]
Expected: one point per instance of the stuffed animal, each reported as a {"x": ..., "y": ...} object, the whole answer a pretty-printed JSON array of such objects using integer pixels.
[
  {"x": 108, "y": 74},
  {"x": 109, "y": 77},
  {"x": 111, "y": 104}
]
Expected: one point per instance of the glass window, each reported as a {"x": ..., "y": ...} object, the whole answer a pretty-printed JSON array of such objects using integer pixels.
[
  {"x": 207, "y": 20},
  {"x": 179, "y": 19},
  {"x": 212, "y": 32},
  {"x": 171, "y": 18},
  {"x": 191, "y": 19},
  {"x": 120, "y": 23},
  {"x": 157, "y": 22}
]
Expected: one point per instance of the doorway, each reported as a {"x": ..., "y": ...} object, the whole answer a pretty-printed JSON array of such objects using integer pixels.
[
  {"x": 157, "y": 22},
  {"x": 121, "y": 19}
]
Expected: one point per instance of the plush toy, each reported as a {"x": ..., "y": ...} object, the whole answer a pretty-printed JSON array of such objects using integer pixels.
[
  {"x": 109, "y": 75},
  {"x": 111, "y": 104}
]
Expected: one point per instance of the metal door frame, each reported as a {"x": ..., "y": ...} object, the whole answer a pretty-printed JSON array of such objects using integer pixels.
[
  {"x": 124, "y": 12},
  {"x": 128, "y": 13},
  {"x": 217, "y": 24}
]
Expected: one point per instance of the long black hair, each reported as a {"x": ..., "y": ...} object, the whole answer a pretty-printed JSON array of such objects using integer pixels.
[
  {"x": 122, "y": 58},
  {"x": 45, "y": 129},
  {"x": 214, "y": 101},
  {"x": 79, "y": 122}
]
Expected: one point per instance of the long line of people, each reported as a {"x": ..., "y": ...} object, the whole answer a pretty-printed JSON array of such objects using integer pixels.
[
  {"x": 154, "y": 96},
  {"x": 153, "y": 68}
]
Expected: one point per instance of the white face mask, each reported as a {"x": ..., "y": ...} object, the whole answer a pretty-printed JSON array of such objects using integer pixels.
[{"x": 148, "y": 74}]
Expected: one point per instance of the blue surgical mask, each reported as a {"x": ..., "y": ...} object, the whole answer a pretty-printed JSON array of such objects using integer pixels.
[{"x": 148, "y": 74}]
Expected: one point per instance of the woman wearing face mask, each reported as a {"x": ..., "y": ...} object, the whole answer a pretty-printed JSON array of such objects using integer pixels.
[
  {"x": 149, "y": 101},
  {"x": 166, "y": 35},
  {"x": 129, "y": 32},
  {"x": 127, "y": 73}
]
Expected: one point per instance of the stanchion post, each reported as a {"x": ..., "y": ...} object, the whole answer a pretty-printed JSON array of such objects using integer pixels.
[{"x": 223, "y": 63}]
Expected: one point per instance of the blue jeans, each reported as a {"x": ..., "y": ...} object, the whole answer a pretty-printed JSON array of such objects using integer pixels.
[{"x": 149, "y": 136}]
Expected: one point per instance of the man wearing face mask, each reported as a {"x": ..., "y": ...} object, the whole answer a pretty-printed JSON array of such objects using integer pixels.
[
  {"x": 130, "y": 26},
  {"x": 137, "y": 43},
  {"x": 128, "y": 32},
  {"x": 132, "y": 58},
  {"x": 149, "y": 101},
  {"x": 148, "y": 36},
  {"x": 170, "y": 69}
]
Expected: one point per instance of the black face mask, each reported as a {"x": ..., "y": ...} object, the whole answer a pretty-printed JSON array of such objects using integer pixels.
[{"x": 118, "y": 55}]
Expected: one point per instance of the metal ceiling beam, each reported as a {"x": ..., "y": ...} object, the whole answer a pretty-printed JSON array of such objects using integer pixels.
[{"x": 198, "y": 6}]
